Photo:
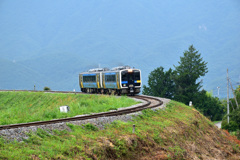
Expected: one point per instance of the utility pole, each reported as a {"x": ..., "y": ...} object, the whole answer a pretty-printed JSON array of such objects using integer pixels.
[
  {"x": 227, "y": 98},
  {"x": 234, "y": 95}
]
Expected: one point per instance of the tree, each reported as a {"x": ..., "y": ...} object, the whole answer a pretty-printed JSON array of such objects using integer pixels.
[
  {"x": 46, "y": 89},
  {"x": 209, "y": 105},
  {"x": 160, "y": 83},
  {"x": 234, "y": 123},
  {"x": 183, "y": 84},
  {"x": 191, "y": 68},
  {"x": 233, "y": 101}
]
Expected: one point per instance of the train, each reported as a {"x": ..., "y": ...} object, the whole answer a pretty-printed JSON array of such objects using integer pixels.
[{"x": 118, "y": 80}]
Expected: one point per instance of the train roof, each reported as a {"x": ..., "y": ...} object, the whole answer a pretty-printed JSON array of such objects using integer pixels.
[
  {"x": 106, "y": 70},
  {"x": 120, "y": 68}
]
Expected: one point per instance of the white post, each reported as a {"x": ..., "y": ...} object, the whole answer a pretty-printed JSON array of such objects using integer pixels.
[{"x": 190, "y": 103}]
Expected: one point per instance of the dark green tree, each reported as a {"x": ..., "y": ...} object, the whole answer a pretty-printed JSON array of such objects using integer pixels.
[
  {"x": 191, "y": 67},
  {"x": 210, "y": 106},
  {"x": 234, "y": 123},
  {"x": 160, "y": 83},
  {"x": 46, "y": 89},
  {"x": 234, "y": 102}
]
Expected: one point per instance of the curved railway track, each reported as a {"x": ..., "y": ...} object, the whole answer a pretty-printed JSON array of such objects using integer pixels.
[{"x": 151, "y": 102}]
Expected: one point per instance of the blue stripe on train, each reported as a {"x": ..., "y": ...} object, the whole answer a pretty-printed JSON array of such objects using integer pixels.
[
  {"x": 113, "y": 73},
  {"x": 124, "y": 82},
  {"x": 90, "y": 85},
  {"x": 89, "y": 74},
  {"x": 111, "y": 85}
]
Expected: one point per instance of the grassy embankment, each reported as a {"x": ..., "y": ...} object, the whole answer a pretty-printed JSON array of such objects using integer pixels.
[
  {"x": 21, "y": 107},
  {"x": 179, "y": 132}
]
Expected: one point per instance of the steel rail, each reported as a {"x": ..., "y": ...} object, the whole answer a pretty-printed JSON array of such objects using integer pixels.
[{"x": 91, "y": 116}]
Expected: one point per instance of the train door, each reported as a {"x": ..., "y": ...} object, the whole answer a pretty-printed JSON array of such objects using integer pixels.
[
  {"x": 98, "y": 85},
  {"x": 118, "y": 81},
  {"x": 103, "y": 80},
  {"x": 81, "y": 81},
  {"x": 130, "y": 79}
]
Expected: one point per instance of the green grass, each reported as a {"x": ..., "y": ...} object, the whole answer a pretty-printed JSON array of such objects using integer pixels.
[
  {"x": 21, "y": 107},
  {"x": 169, "y": 131}
]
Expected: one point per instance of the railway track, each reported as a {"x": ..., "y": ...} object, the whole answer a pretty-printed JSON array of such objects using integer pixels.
[{"x": 151, "y": 102}]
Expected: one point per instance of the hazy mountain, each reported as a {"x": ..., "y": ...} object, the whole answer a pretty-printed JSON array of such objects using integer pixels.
[
  {"x": 47, "y": 43},
  {"x": 17, "y": 76}
]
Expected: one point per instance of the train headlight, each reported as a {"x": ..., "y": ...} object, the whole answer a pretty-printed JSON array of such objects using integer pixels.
[{"x": 130, "y": 70}]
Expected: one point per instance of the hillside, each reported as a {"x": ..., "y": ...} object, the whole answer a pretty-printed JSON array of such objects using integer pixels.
[
  {"x": 178, "y": 132},
  {"x": 56, "y": 40}
]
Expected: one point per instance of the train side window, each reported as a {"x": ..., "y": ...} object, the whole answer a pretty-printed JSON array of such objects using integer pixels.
[
  {"x": 114, "y": 78},
  {"x": 110, "y": 78},
  {"x": 106, "y": 78},
  {"x": 84, "y": 79},
  {"x": 93, "y": 78},
  {"x": 89, "y": 78}
]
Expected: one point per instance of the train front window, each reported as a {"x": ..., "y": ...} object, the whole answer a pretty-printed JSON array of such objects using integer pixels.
[
  {"x": 124, "y": 76},
  {"x": 136, "y": 75}
]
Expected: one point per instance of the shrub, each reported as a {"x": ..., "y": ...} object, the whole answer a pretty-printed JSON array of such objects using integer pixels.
[
  {"x": 46, "y": 89},
  {"x": 236, "y": 133},
  {"x": 90, "y": 127},
  {"x": 232, "y": 126},
  {"x": 234, "y": 123}
]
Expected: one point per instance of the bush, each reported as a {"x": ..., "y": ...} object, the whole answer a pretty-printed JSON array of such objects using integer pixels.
[
  {"x": 90, "y": 127},
  {"x": 46, "y": 89},
  {"x": 234, "y": 123},
  {"x": 236, "y": 133},
  {"x": 232, "y": 126},
  {"x": 209, "y": 105}
]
